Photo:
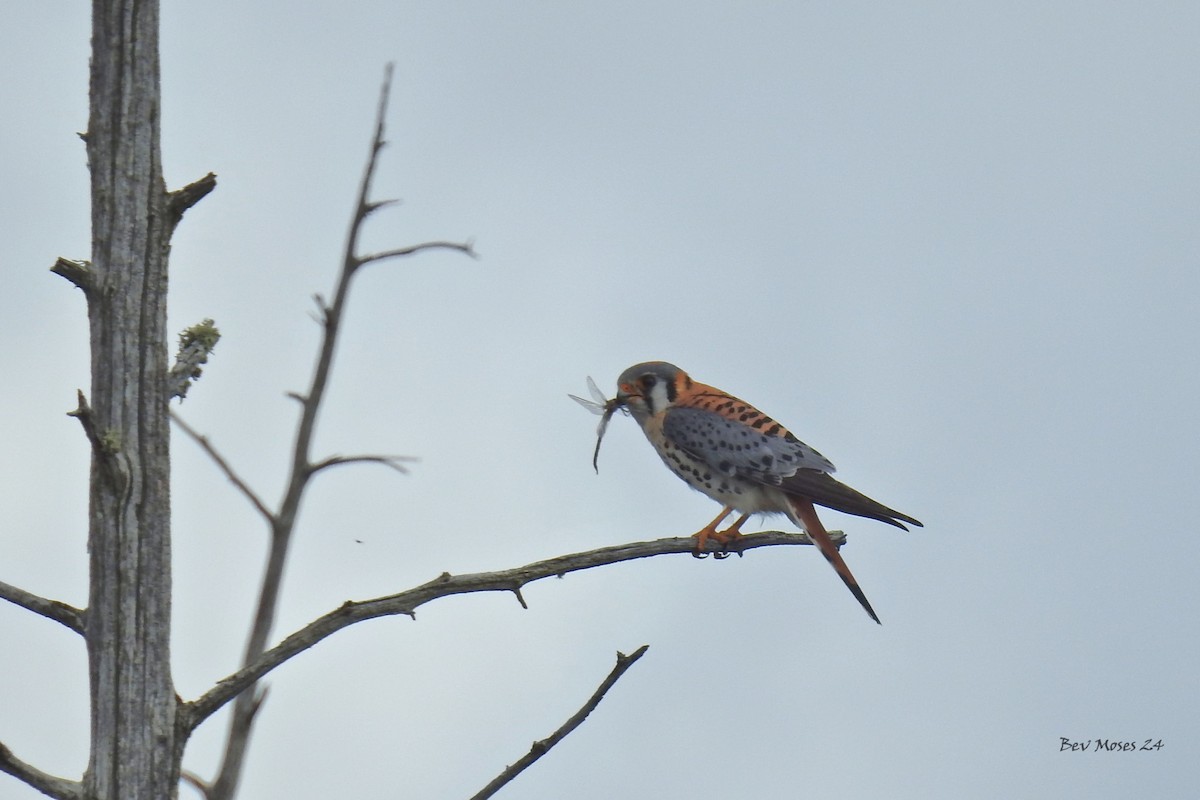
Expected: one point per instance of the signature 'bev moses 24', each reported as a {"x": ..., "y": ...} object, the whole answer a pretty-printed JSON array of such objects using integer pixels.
[{"x": 738, "y": 456}]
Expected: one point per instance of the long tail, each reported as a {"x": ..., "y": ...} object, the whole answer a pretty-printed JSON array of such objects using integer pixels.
[
  {"x": 826, "y": 490},
  {"x": 816, "y": 531}
]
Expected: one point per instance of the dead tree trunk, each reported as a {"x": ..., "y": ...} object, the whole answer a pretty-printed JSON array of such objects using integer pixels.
[{"x": 136, "y": 749}]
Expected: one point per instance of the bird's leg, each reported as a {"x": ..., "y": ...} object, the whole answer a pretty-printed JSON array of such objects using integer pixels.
[
  {"x": 730, "y": 535},
  {"x": 701, "y": 536},
  {"x": 733, "y": 532}
]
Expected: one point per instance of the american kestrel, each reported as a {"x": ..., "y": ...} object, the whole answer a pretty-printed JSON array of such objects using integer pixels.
[{"x": 740, "y": 457}]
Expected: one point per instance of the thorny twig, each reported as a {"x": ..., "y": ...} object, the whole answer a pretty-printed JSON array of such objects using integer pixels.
[
  {"x": 445, "y": 585},
  {"x": 542, "y": 746}
]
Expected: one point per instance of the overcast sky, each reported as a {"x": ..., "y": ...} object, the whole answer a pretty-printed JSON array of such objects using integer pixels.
[{"x": 953, "y": 246}]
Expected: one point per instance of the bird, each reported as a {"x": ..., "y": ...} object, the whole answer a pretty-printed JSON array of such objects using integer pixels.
[{"x": 740, "y": 457}]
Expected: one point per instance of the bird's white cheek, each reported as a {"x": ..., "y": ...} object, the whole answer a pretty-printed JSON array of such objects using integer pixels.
[{"x": 658, "y": 399}]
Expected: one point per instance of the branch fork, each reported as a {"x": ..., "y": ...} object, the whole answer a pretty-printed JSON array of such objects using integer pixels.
[{"x": 282, "y": 520}]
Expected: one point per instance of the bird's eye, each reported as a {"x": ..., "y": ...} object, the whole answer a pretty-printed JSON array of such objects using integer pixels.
[{"x": 647, "y": 381}]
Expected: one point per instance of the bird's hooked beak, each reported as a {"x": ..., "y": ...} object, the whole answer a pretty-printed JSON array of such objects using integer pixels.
[{"x": 625, "y": 393}]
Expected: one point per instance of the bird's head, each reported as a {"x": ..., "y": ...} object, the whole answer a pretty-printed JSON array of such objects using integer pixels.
[{"x": 650, "y": 388}]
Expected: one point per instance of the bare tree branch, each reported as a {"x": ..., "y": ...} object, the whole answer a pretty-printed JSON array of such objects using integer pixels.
[
  {"x": 540, "y": 748},
  {"x": 106, "y": 444},
  {"x": 52, "y": 785},
  {"x": 77, "y": 272},
  {"x": 195, "y": 781},
  {"x": 195, "y": 346},
  {"x": 83, "y": 413},
  {"x": 466, "y": 247},
  {"x": 183, "y": 199},
  {"x": 223, "y": 465},
  {"x": 58, "y": 611},
  {"x": 282, "y": 523},
  {"x": 209, "y": 790},
  {"x": 395, "y": 462},
  {"x": 408, "y": 601}
]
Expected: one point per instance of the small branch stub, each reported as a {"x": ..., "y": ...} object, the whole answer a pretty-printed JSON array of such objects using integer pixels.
[
  {"x": 77, "y": 272},
  {"x": 105, "y": 444},
  {"x": 195, "y": 346},
  {"x": 183, "y": 199}
]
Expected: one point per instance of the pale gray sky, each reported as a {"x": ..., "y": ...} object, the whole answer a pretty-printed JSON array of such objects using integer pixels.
[{"x": 954, "y": 246}]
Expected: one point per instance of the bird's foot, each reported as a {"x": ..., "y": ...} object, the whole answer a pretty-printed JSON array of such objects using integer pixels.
[
  {"x": 727, "y": 537},
  {"x": 723, "y": 538},
  {"x": 702, "y": 536}
]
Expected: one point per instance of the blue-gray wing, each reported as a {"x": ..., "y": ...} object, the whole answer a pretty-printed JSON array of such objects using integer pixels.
[{"x": 738, "y": 449}]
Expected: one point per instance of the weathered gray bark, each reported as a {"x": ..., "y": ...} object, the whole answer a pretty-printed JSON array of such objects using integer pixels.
[{"x": 136, "y": 750}]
